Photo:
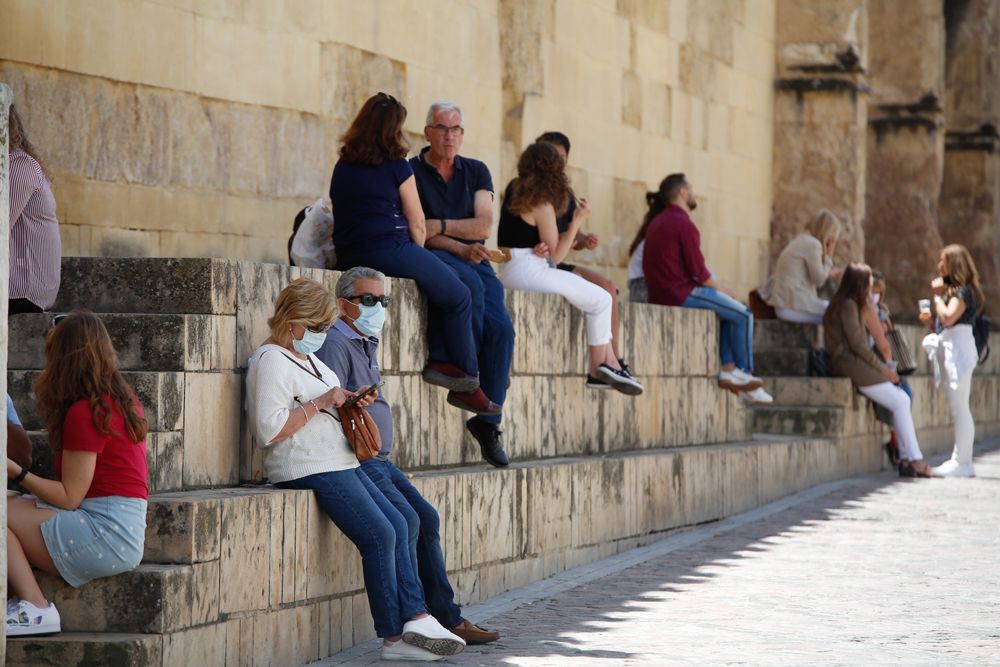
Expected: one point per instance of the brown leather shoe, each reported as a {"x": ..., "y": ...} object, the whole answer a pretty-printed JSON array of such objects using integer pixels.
[{"x": 473, "y": 634}]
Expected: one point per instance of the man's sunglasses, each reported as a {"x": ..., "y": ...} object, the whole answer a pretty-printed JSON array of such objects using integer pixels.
[{"x": 370, "y": 300}]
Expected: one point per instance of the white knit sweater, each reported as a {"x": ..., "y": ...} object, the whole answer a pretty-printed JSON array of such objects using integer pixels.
[{"x": 275, "y": 378}]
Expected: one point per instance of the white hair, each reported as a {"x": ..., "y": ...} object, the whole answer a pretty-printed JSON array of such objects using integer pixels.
[{"x": 444, "y": 105}]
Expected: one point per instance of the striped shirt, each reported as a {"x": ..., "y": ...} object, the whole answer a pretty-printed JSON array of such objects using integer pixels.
[{"x": 35, "y": 247}]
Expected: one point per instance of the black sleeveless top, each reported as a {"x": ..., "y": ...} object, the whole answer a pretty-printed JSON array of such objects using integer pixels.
[{"x": 514, "y": 232}]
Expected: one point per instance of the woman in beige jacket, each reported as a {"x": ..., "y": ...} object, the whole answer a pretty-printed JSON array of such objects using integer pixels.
[
  {"x": 850, "y": 356},
  {"x": 804, "y": 264}
]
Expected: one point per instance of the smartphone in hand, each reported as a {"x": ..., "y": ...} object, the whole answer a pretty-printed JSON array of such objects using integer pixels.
[{"x": 361, "y": 394}]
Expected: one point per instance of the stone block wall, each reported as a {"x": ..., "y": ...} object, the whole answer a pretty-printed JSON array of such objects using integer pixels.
[{"x": 203, "y": 133}]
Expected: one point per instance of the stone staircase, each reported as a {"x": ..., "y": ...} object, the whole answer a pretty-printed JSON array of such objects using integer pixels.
[{"x": 239, "y": 573}]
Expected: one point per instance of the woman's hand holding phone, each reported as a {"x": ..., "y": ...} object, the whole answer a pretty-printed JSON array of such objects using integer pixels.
[{"x": 334, "y": 398}]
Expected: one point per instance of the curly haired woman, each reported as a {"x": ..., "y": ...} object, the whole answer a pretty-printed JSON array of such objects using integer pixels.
[{"x": 538, "y": 195}]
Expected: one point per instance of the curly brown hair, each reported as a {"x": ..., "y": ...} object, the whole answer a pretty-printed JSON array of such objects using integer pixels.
[
  {"x": 80, "y": 363},
  {"x": 541, "y": 178},
  {"x": 376, "y": 135}
]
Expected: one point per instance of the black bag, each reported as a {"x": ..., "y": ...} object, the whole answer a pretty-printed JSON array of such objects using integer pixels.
[
  {"x": 906, "y": 363},
  {"x": 819, "y": 363},
  {"x": 981, "y": 332}
]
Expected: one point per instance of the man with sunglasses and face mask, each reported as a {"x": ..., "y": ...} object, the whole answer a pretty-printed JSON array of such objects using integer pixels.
[
  {"x": 350, "y": 351},
  {"x": 456, "y": 194}
]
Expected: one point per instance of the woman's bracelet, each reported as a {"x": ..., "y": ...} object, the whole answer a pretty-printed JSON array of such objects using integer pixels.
[
  {"x": 20, "y": 476},
  {"x": 305, "y": 413},
  {"x": 313, "y": 403}
]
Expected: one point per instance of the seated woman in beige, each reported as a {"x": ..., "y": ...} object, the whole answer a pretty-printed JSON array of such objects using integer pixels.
[{"x": 804, "y": 264}]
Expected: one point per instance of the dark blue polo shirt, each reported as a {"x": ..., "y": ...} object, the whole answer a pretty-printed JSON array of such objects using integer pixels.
[
  {"x": 456, "y": 199},
  {"x": 367, "y": 209}
]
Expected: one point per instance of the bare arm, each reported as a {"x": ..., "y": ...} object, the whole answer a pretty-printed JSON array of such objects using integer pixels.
[
  {"x": 949, "y": 311},
  {"x": 412, "y": 210},
  {"x": 476, "y": 228},
  {"x": 472, "y": 252},
  {"x": 67, "y": 493},
  {"x": 559, "y": 245}
]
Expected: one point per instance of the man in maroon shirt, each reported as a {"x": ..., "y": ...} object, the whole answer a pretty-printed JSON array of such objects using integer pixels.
[{"x": 676, "y": 275}]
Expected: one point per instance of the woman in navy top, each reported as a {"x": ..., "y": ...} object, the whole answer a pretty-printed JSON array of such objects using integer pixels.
[{"x": 379, "y": 223}]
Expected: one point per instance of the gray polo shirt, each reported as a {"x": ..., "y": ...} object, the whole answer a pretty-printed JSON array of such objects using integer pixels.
[{"x": 352, "y": 357}]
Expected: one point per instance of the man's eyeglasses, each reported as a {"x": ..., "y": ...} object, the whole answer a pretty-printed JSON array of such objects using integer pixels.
[
  {"x": 444, "y": 129},
  {"x": 319, "y": 328},
  {"x": 370, "y": 300}
]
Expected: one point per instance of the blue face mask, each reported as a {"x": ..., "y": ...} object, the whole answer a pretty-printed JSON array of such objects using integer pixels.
[
  {"x": 309, "y": 343},
  {"x": 371, "y": 320}
]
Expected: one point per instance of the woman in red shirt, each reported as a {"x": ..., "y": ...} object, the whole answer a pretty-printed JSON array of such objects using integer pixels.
[{"x": 90, "y": 522}]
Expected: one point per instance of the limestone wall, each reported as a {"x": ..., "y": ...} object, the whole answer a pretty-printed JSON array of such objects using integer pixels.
[{"x": 204, "y": 131}]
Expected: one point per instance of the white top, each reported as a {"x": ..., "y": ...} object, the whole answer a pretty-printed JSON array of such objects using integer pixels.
[
  {"x": 635, "y": 262},
  {"x": 275, "y": 378}
]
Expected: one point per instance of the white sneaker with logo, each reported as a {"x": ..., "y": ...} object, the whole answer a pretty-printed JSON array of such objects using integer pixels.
[
  {"x": 400, "y": 650},
  {"x": 737, "y": 381},
  {"x": 430, "y": 635},
  {"x": 25, "y": 619},
  {"x": 758, "y": 395}
]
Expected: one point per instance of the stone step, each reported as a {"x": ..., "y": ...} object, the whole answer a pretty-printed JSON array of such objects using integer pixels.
[
  {"x": 89, "y": 649},
  {"x": 144, "y": 342},
  {"x": 775, "y": 333},
  {"x": 160, "y": 394},
  {"x": 800, "y": 420},
  {"x": 148, "y": 285},
  {"x": 811, "y": 391},
  {"x": 781, "y": 361}
]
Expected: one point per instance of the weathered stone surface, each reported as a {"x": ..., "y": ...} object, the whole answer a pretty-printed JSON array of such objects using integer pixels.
[
  {"x": 133, "y": 285},
  {"x": 212, "y": 414},
  {"x": 183, "y": 528},
  {"x": 781, "y": 361},
  {"x": 821, "y": 421},
  {"x": 813, "y": 391},
  {"x": 124, "y": 650}
]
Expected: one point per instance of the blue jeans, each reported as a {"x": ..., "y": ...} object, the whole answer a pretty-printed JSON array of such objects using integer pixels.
[
  {"x": 425, "y": 538},
  {"x": 449, "y": 305},
  {"x": 736, "y": 330},
  {"x": 380, "y": 533},
  {"x": 492, "y": 330}
]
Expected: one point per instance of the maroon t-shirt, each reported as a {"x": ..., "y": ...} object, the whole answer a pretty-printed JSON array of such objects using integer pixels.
[
  {"x": 121, "y": 463},
  {"x": 671, "y": 259}
]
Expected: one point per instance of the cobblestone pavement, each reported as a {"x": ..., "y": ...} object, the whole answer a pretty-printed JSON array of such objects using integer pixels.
[{"x": 869, "y": 571}]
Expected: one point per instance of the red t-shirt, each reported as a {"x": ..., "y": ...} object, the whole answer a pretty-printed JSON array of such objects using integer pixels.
[
  {"x": 121, "y": 463},
  {"x": 671, "y": 259}
]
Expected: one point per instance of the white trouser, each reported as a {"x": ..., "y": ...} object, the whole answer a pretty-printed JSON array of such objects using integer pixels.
[
  {"x": 961, "y": 414},
  {"x": 526, "y": 271},
  {"x": 799, "y": 316},
  {"x": 894, "y": 398}
]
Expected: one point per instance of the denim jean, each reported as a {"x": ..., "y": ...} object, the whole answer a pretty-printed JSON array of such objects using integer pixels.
[
  {"x": 736, "y": 330},
  {"x": 424, "y": 539},
  {"x": 449, "y": 305},
  {"x": 380, "y": 533},
  {"x": 492, "y": 330}
]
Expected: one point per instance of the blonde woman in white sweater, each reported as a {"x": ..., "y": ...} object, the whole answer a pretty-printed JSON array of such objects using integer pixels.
[{"x": 291, "y": 401}]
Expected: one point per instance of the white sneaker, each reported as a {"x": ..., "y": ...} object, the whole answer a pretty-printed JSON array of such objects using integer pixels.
[
  {"x": 737, "y": 381},
  {"x": 400, "y": 650},
  {"x": 758, "y": 395},
  {"x": 428, "y": 634},
  {"x": 27, "y": 619},
  {"x": 952, "y": 468}
]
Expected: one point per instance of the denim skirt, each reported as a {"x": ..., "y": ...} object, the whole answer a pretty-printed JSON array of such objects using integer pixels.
[{"x": 103, "y": 537}]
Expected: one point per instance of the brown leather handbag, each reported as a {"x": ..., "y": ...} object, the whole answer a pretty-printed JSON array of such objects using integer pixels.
[{"x": 361, "y": 431}]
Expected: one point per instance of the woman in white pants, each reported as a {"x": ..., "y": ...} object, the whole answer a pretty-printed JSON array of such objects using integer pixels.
[
  {"x": 958, "y": 299},
  {"x": 850, "y": 356},
  {"x": 538, "y": 195}
]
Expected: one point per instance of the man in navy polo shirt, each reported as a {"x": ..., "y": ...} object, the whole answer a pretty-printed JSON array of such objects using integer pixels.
[{"x": 456, "y": 194}]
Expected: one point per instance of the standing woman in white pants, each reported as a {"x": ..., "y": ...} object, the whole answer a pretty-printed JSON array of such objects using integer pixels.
[
  {"x": 850, "y": 356},
  {"x": 538, "y": 195},
  {"x": 958, "y": 299}
]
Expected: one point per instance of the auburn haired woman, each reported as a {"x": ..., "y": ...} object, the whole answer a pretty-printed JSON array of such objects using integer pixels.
[
  {"x": 851, "y": 356},
  {"x": 90, "y": 521},
  {"x": 538, "y": 195},
  {"x": 958, "y": 299},
  {"x": 379, "y": 223}
]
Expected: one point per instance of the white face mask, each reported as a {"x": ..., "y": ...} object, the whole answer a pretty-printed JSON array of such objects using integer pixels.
[{"x": 876, "y": 297}]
